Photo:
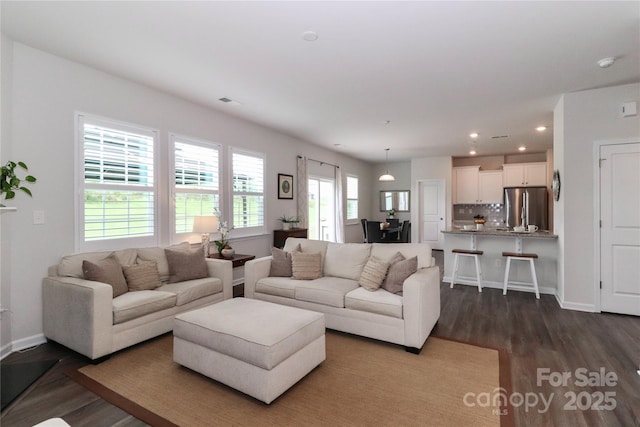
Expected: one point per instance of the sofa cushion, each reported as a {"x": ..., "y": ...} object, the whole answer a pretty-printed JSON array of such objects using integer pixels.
[
  {"x": 346, "y": 260},
  {"x": 398, "y": 273},
  {"x": 325, "y": 290},
  {"x": 71, "y": 265},
  {"x": 373, "y": 273},
  {"x": 157, "y": 254},
  {"x": 192, "y": 290},
  {"x": 281, "y": 262},
  {"x": 279, "y": 286},
  {"x": 306, "y": 245},
  {"x": 421, "y": 250},
  {"x": 139, "y": 303},
  {"x": 306, "y": 266},
  {"x": 143, "y": 276},
  {"x": 186, "y": 265},
  {"x": 379, "y": 301},
  {"x": 107, "y": 271}
]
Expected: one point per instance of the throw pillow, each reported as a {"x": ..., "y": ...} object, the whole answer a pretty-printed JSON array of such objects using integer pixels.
[
  {"x": 281, "y": 262},
  {"x": 306, "y": 266},
  {"x": 373, "y": 273},
  {"x": 143, "y": 276},
  {"x": 186, "y": 265},
  {"x": 107, "y": 270},
  {"x": 398, "y": 273}
]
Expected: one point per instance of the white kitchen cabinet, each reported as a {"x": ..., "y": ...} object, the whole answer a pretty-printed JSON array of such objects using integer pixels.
[
  {"x": 466, "y": 184},
  {"x": 524, "y": 174},
  {"x": 490, "y": 187},
  {"x": 475, "y": 187}
]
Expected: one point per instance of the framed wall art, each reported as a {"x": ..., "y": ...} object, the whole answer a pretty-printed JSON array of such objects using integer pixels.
[{"x": 285, "y": 186}]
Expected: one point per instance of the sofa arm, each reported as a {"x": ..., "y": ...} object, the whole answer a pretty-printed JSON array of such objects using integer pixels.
[
  {"x": 421, "y": 305},
  {"x": 223, "y": 270},
  {"x": 78, "y": 313},
  {"x": 255, "y": 270}
]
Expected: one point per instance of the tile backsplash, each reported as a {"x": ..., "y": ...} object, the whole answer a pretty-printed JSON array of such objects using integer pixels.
[{"x": 493, "y": 214}]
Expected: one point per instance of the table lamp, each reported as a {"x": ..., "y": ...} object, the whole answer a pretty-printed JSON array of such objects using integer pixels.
[{"x": 205, "y": 225}]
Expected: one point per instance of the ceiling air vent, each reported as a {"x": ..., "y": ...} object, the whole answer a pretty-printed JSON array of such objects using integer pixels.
[
  {"x": 229, "y": 101},
  {"x": 225, "y": 99},
  {"x": 500, "y": 136}
]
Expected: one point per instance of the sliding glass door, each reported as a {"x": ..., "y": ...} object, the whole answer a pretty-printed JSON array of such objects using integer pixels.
[{"x": 322, "y": 224}]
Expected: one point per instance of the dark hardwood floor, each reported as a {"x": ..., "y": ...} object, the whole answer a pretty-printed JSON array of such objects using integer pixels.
[{"x": 538, "y": 334}]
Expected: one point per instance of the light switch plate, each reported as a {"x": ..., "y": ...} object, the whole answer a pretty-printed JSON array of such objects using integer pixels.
[
  {"x": 629, "y": 109},
  {"x": 38, "y": 217}
]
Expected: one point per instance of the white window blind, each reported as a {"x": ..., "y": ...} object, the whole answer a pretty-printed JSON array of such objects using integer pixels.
[
  {"x": 118, "y": 181},
  {"x": 247, "y": 190},
  {"x": 352, "y": 197},
  {"x": 197, "y": 181}
]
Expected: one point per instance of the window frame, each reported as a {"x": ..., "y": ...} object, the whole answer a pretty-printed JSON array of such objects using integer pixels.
[
  {"x": 228, "y": 213},
  {"x": 81, "y": 245},
  {"x": 173, "y": 190},
  {"x": 356, "y": 219}
]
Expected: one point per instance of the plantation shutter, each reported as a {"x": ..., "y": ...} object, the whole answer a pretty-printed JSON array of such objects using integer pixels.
[
  {"x": 352, "y": 197},
  {"x": 247, "y": 191}
]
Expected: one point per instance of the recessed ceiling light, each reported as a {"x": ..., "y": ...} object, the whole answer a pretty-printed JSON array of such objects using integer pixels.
[
  {"x": 522, "y": 148},
  {"x": 310, "y": 36},
  {"x": 606, "y": 62},
  {"x": 473, "y": 135},
  {"x": 472, "y": 151},
  {"x": 386, "y": 122},
  {"x": 541, "y": 128}
]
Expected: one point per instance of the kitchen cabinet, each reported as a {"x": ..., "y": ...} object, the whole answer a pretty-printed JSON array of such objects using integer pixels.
[
  {"x": 474, "y": 187},
  {"x": 466, "y": 184},
  {"x": 524, "y": 174},
  {"x": 490, "y": 187}
]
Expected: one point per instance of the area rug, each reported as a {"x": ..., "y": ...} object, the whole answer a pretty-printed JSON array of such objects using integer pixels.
[{"x": 361, "y": 383}]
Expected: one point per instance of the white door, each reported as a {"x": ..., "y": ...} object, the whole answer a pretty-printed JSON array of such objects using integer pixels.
[
  {"x": 432, "y": 212},
  {"x": 620, "y": 230}
]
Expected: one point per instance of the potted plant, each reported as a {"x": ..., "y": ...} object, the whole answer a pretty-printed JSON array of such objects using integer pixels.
[
  {"x": 289, "y": 222},
  {"x": 391, "y": 212},
  {"x": 11, "y": 183},
  {"x": 224, "y": 248}
]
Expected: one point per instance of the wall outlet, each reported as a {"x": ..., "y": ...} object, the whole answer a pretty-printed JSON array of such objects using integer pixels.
[{"x": 38, "y": 217}]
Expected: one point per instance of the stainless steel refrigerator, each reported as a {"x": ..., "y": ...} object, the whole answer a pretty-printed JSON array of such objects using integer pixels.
[{"x": 526, "y": 205}]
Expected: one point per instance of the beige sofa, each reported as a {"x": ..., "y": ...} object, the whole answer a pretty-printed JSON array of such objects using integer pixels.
[
  {"x": 85, "y": 316},
  {"x": 405, "y": 319}
]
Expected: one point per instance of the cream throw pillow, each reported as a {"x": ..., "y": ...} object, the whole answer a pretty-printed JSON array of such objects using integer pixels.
[
  {"x": 143, "y": 276},
  {"x": 281, "y": 262},
  {"x": 373, "y": 273},
  {"x": 306, "y": 266}
]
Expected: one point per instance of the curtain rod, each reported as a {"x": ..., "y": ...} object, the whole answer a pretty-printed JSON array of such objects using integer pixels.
[{"x": 321, "y": 162}]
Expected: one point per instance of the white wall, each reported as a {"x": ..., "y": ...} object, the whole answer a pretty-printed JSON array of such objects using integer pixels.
[
  {"x": 401, "y": 171},
  {"x": 581, "y": 119},
  {"x": 45, "y": 92}
]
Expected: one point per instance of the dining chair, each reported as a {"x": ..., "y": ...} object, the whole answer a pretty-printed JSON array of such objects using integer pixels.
[
  {"x": 364, "y": 228},
  {"x": 374, "y": 234},
  {"x": 405, "y": 233}
]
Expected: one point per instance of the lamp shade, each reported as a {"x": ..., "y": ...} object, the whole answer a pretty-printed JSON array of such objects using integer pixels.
[
  {"x": 205, "y": 224},
  {"x": 386, "y": 177}
]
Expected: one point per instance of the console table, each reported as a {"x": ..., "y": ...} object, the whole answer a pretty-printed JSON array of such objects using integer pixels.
[
  {"x": 280, "y": 236},
  {"x": 238, "y": 261}
]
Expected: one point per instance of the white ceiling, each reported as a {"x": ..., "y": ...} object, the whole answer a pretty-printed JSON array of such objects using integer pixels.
[{"x": 436, "y": 70}]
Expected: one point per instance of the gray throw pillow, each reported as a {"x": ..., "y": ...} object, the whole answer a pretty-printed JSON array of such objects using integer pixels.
[
  {"x": 398, "y": 273},
  {"x": 373, "y": 273},
  {"x": 107, "y": 270},
  {"x": 281, "y": 262},
  {"x": 186, "y": 265},
  {"x": 143, "y": 276},
  {"x": 306, "y": 266}
]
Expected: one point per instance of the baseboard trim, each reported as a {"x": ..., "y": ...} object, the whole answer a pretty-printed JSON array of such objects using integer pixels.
[
  {"x": 499, "y": 285},
  {"x": 589, "y": 308},
  {"x": 22, "y": 344}
]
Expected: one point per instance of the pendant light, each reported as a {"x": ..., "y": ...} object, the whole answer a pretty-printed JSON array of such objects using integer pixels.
[{"x": 387, "y": 176}]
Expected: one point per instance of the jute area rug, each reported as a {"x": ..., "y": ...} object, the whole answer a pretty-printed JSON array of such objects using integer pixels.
[{"x": 361, "y": 383}]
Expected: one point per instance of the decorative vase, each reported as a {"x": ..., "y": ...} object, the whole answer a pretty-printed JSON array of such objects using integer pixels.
[
  {"x": 227, "y": 252},
  {"x": 286, "y": 225}
]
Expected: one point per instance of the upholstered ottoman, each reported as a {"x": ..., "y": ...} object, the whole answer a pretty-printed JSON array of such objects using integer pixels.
[{"x": 256, "y": 347}]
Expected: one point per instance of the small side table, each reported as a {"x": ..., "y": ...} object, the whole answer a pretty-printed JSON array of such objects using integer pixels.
[{"x": 238, "y": 261}]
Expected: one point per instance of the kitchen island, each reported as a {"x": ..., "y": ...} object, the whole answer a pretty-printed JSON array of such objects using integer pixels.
[{"x": 493, "y": 242}]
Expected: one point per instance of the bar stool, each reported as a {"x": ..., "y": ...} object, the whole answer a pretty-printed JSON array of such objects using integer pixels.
[
  {"x": 521, "y": 257},
  {"x": 456, "y": 263}
]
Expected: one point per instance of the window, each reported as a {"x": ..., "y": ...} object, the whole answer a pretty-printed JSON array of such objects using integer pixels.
[
  {"x": 196, "y": 181},
  {"x": 352, "y": 198},
  {"x": 247, "y": 174},
  {"x": 322, "y": 220},
  {"x": 117, "y": 183}
]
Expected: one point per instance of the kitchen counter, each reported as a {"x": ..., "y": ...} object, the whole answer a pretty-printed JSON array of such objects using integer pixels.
[
  {"x": 503, "y": 233},
  {"x": 493, "y": 243}
]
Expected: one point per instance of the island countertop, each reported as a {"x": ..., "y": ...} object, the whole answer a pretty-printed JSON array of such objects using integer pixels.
[{"x": 503, "y": 233}]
